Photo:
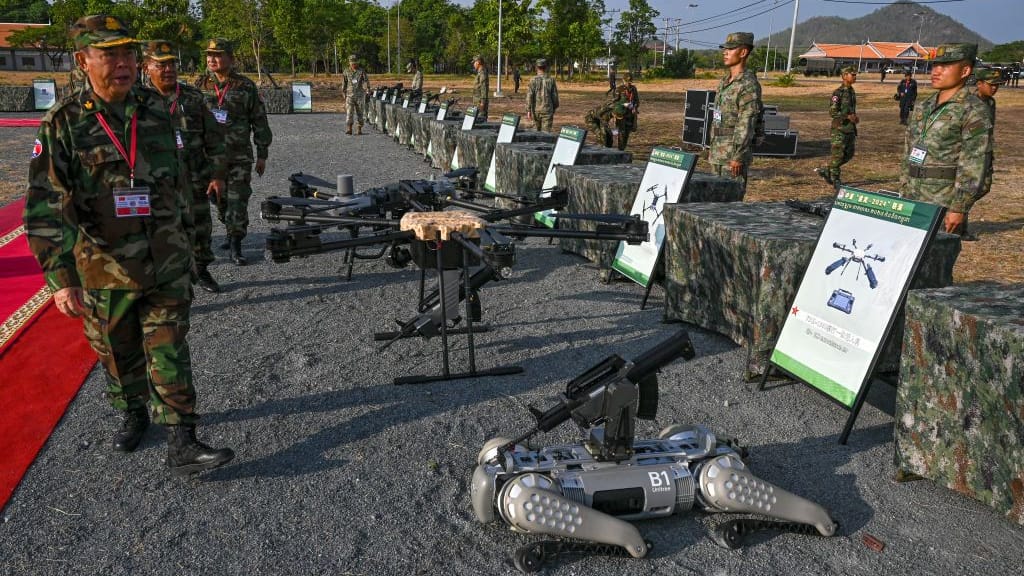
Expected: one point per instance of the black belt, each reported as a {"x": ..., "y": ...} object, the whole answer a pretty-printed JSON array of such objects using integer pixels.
[{"x": 937, "y": 172}]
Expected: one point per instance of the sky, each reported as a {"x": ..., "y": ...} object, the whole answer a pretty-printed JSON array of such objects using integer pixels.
[{"x": 997, "y": 20}]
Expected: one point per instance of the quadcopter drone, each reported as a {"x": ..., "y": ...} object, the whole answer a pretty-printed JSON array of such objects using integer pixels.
[{"x": 859, "y": 257}]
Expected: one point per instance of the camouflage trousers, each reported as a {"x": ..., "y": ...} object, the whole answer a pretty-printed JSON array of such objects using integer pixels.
[
  {"x": 203, "y": 223},
  {"x": 724, "y": 171},
  {"x": 233, "y": 206},
  {"x": 543, "y": 122},
  {"x": 354, "y": 110},
  {"x": 139, "y": 337},
  {"x": 481, "y": 110},
  {"x": 842, "y": 152},
  {"x": 610, "y": 139}
]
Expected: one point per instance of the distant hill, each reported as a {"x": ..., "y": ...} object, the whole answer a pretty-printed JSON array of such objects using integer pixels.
[{"x": 893, "y": 23}]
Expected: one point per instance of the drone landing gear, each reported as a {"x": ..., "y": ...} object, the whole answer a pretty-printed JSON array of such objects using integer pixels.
[{"x": 531, "y": 558}]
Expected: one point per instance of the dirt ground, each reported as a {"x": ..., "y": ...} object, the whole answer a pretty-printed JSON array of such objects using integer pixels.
[{"x": 997, "y": 220}]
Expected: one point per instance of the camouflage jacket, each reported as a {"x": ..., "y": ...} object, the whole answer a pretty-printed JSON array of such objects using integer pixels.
[
  {"x": 357, "y": 82},
  {"x": 202, "y": 152},
  {"x": 956, "y": 135},
  {"x": 542, "y": 95},
  {"x": 70, "y": 209},
  {"x": 481, "y": 86},
  {"x": 843, "y": 103},
  {"x": 417, "y": 80},
  {"x": 737, "y": 107},
  {"x": 240, "y": 97}
]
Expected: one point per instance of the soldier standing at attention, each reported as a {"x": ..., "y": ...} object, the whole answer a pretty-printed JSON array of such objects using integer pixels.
[
  {"x": 906, "y": 95},
  {"x": 737, "y": 106},
  {"x": 542, "y": 98},
  {"x": 843, "y": 109},
  {"x": 417, "y": 75},
  {"x": 481, "y": 88},
  {"x": 235, "y": 103},
  {"x": 356, "y": 80},
  {"x": 948, "y": 142},
  {"x": 104, "y": 214},
  {"x": 200, "y": 143},
  {"x": 987, "y": 83}
]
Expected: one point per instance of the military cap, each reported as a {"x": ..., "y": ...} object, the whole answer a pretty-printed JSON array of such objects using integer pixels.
[
  {"x": 216, "y": 45},
  {"x": 989, "y": 76},
  {"x": 100, "y": 31},
  {"x": 541, "y": 63},
  {"x": 478, "y": 58},
  {"x": 947, "y": 53},
  {"x": 158, "y": 50},
  {"x": 353, "y": 58},
  {"x": 737, "y": 39},
  {"x": 849, "y": 70}
]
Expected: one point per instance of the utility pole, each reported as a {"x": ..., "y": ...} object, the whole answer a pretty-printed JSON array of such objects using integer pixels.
[
  {"x": 498, "y": 93},
  {"x": 398, "y": 25},
  {"x": 792, "y": 38},
  {"x": 608, "y": 63}
]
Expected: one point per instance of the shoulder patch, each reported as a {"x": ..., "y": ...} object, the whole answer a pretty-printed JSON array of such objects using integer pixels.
[
  {"x": 37, "y": 148},
  {"x": 835, "y": 98}
]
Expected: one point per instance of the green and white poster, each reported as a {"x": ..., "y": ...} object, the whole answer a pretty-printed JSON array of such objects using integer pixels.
[
  {"x": 405, "y": 102},
  {"x": 665, "y": 178},
  {"x": 865, "y": 258},
  {"x": 423, "y": 106},
  {"x": 470, "y": 118},
  {"x": 44, "y": 93},
  {"x": 506, "y": 133},
  {"x": 567, "y": 149},
  {"x": 442, "y": 112}
]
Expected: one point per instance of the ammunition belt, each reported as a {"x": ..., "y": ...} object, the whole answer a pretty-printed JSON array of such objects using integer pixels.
[{"x": 937, "y": 172}]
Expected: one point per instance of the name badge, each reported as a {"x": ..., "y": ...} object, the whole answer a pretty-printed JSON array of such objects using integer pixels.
[
  {"x": 917, "y": 155},
  {"x": 178, "y": 141},
  {"x": 131, "y": 202},
  {"x": 718, "y": 116},
  {"x": 220, "y": 115}
]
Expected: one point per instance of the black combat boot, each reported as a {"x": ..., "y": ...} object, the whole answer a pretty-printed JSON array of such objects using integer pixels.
[
  {"x": 132, "y": 430},
  {"x": 186, "y": 455},
  {"x": 206, "y": 281},
  {"x": 236, "y": 251}
]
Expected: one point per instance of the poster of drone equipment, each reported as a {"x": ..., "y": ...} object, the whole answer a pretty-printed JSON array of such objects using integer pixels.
[
  {"x": 664, "y": 180},
  {"x": 442, "y": 112},
  {"x": 865, "y": 258},
  {"x": 44, "y": 93},
  {"x": 567, "y": 148},
  {"x": 470, "y": 119},
  {"x": 507, "y": 132}
]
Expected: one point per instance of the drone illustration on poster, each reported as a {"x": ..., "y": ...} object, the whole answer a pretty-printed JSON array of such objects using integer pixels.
[
  {"x": 655, "y": 206},
  {"x": 842, "y": 300}
]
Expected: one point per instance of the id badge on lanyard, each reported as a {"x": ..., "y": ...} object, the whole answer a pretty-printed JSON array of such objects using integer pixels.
[
  {"x": 131, "y": 202},
  {"x": 220, "y": 115},
  {"x": 178, "y": 140},
  {"x": 917, "y": 155}
]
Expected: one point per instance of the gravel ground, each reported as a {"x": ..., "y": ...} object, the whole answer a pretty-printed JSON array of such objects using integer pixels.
[{"x": 340, "y": 472}]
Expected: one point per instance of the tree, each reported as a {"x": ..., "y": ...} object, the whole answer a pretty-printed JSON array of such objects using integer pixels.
[
  {"x": 1012, "y": 52},
  {"x": 635, "y": 28},
  {"x": 242, "y": 21},
  {"x": 680, "y": 64},
  {"x": 556, "y": 36},
  {"x": 24, "y": 11},
  {"x": 519, "y": 20}
]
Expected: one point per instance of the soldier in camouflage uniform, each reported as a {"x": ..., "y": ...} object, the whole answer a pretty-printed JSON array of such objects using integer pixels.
[
  {"x": 737, "y": 108},
  {"x": 77, "y": 81},
  {"x": 359, "y": 83},
  {"x": 948, "y": 142},
  {"x": 104, "y": 218},
  {"x": 610, "y": 124},
  {"x": 987, "y": 83},
  {"x": 413, "y": 67},
  {"x": 542, "y": 98},
  {"x": 200, "y": 142},
  {"x": 843, "y": 109},
  {"x": 235, "y": 103},
  {"x": 481, "y": 88}
]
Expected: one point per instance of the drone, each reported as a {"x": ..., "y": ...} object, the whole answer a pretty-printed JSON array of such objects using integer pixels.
[
  {"x": 657, "y": 205},
  {"x": 859, "y": 257}
]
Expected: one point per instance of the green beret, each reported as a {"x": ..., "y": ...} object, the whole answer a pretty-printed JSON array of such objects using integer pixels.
[
  {"x": 158, "y": 50},
  {"x": 947, "y": 53},
  {"x": 737, "y": 39},
  {"x": 100, "y": 31},
  {"x": 217, "y": 45}
]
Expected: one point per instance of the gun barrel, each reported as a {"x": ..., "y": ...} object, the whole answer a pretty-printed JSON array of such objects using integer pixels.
[{"x": 677, "y": 345}]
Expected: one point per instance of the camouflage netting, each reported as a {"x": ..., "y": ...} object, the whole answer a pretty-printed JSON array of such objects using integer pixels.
[
  {"x": 403, "y": 126},
  {"x": 735, "y": 268},
  {"x": 420, "y": 124},
  {"x": 960, "y": 402},
  {"x": 391, "y": 118},
  {"x": 612, "y": 189},
  {"x": 442, "y": 140},
  {"x": 16, "y": 99},
  {"x": 378, "y": 113},
  {"x": 522, "y": 166},
  {"x": 277, "y": 100},
  {"x": 476, "y": 146}
]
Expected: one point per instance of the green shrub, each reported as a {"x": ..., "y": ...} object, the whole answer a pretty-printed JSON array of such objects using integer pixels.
[{"x": 785, "y": 81}]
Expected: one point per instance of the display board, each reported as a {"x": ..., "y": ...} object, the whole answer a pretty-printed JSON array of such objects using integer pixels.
[
  {"x": 394, "y": 97},
  {"x": 442, "y": 112},
  {"x": 44, "y": 93},
  {"x": 506, "y": 133},
  {"x": 302, "y": 97},
  {"x": 423, "y": 106},
  {"x": 469, "y": 120},
  {"x": 567, "y": 149},
  {"x": 856, "y": 281},
  {"x": 405, "y": 102},
  {"x": 667, "y": 173}
]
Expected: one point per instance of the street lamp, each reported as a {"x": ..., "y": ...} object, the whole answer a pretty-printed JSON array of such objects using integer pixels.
[
  {"x": 398, "y": 25},
  {"x": 677, "y": 35},
  {"x": 922, "y": 16}
]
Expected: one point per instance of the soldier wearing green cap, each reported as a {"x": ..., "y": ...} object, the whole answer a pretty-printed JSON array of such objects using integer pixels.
[
  {"x": 481, "y": 88},
  {"x": 737, "y": 108},
  {"x": 105, "y": 218},
  {"x": 356, "y": 80},
  {"x": 542, "y": 98},
  {"x": 200, "y": 142},
  {"x": 843, "y": 109},
  {"x": 235, "y": 103},
  {"x": 948, "y": 142},
  {"x": 986, "y": 83}
]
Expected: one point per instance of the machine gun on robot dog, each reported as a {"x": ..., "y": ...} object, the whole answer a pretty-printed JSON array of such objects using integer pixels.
[
  {"x": 408, "y": 218},
  {"x": 588, "y": 491}
]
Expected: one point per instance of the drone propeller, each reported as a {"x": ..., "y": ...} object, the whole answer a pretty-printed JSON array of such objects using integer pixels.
[{"x": 310, "y": 180}]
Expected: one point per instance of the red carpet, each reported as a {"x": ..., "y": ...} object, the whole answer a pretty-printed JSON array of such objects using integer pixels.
[
  {"x": 20, "y": 122},
  {"x": 44, "y": 357}
]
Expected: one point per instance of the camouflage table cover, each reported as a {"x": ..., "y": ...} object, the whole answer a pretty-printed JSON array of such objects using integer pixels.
[
  {"x": 476, "y": 146},
  {"x": 403, "y": 124},
  {"x": 522, "y": 166},
  {"x": 611, "y": 189},
  {"x": 735, "y": 268},
  {"x": 442, "y": 140},
  {"x": 960, "y": 402},
  {"x": 419, "y": 130},
  {"x": 375, "y": 114},
  {"x": 370, "y": 112},
  {"x": 391, "y": 117}
]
